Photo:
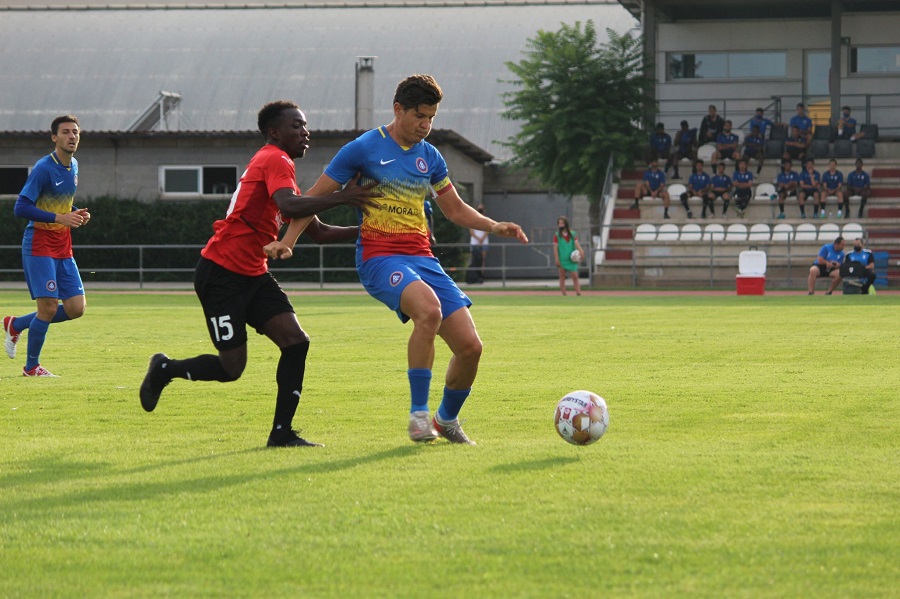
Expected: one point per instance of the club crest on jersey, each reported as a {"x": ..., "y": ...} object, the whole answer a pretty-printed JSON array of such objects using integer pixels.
[
  {"x": 396, "y": 277},
  {"x": 421, "y": 165},
  {"x": 76, "y": 180},
  {"x": 51, "y": 285}
]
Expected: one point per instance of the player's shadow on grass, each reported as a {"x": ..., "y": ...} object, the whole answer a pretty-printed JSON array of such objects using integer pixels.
[{"x": 532, "y": 465}]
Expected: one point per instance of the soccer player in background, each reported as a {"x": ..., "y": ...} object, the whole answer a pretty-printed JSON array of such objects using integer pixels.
[
  {"x": 232, "y": 279},
  {"x": 393, "y": 256},
  {"x": 50, "y": 269}
]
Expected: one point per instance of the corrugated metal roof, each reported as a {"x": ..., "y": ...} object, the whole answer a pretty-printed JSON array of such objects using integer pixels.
[{"x": 106, "y": 66}]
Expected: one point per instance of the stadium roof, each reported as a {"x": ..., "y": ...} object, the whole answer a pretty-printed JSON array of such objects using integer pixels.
[
  {"x": 686, "y": 10},
  {"x": 106, "y": 62}
]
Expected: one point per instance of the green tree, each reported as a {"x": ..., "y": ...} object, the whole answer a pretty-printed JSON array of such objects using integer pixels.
[{"x": 580, "y": 102}]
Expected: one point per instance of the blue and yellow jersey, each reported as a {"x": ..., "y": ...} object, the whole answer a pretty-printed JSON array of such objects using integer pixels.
[
  {"x": 50, "y": 186},
  {"x": 405, "y": 177}
]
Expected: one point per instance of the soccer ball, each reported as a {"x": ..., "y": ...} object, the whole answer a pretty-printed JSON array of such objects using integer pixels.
[
  {"x": 575, "y": 256},
  {"x": 581, "y": 417}
]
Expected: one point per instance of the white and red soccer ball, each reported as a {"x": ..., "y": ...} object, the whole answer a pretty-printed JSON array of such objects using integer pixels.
[{"x": 581, "y": 417}]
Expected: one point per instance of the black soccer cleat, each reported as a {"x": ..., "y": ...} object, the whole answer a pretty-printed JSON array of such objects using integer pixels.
[
  {"x": 286, "y": 437},
  {"x": 155, "y": 381}
]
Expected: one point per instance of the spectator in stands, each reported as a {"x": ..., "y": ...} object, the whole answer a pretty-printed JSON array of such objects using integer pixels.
[
  {"x": 795, "y": 146},
  {"x": 726, "y": 145},
  {"x": 710, "y": 127},
  {"x": 827, "y": 264},
  {"x": 700, "y": 185},
  {"x": 754, "y": 147},
  {"x": 833, "y": 185},
  {"x": 652, "y": 185},
  {"x": 565, "y": 243},
  {"x": 759, "y": 120},
  {"x": 743, "y": 187},
  {"x": 786, "y": 185},
  {"x": 685, "y": 146},
  {"x": 810, "y": 186},
  {"x": 721, "y": 188},
  {"x": 863, "y": 256},
  {"x": 661, "y": 147},
  {"x": 846, "y": 126},
  {"x": 858, "y": 184},
  {"x": 803, "y": 124}
]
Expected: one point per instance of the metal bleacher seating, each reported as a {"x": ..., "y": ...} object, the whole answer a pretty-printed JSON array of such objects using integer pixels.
[
  {"x": 736, "y": 232},
  {"x": 759, "y": 232},
  {"x": 852, "y": 231},
  {"x": 828, "y": 231},
  {"x": 806, "y": 232},
  {"x": 782, "y": 232},
  {"x": 667, "y": 232},
  {"x": 843, "y": 148},
  {"x": 774, "y": 148},
  {"x": 824, "y": 132},
  {"x": 705, "y": 152},
  {"x": 713, "y": 231},
  {"x": 819, "y": 148},
  {"x": 691, "y": 232},
  {"x": 645, "y": 232},
  {"x": 865, "y": 148}
]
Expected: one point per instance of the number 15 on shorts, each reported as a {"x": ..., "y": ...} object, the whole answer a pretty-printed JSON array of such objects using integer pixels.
[{"x": 221, "y": 326}]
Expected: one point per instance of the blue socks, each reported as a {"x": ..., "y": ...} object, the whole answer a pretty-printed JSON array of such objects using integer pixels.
[
  {"x": 452, "y": 403},
  {"x": 419, "y": 387},
  {"x": 24, "y": 322},
  {"x": 37, "y": 332}
]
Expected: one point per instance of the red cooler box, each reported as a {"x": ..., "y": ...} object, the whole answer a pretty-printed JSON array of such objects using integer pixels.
[{"x": 751, "y": 279}]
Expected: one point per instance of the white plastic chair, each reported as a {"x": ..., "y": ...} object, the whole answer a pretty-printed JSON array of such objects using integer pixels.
[
  {"x": 765, "y": 191},
  {"x": 736, "y": 232},
  {"x": 759, "y": 232},
  {"x": 667, "y": 232},
  {"x": 705, "y": 152},
  {"x": 828, "y": 231},
  {"x": 852, "y": 230},
  {"x": 645, "y": 232},
  {"x": 714, "y": 231},
  {"x": 691, "y": 232},
  {"x": 740, "y": 134},
  {"x": 805, "y": 232},
  {"x": 675, "y": 190},
  {"x": 782, "y": 232}
]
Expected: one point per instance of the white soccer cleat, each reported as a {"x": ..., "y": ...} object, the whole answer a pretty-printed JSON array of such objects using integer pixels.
[
  {"x": 11, "y": 338},
  {"x": 420, "y": 427},
  {"x": 39, "y": 371}
]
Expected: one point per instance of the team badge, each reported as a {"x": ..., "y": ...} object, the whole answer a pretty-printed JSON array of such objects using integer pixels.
[
  {"x": 396, "y": 277},
  {"x": 421, "y": 165},
  {"x": 51, "y": 285}
]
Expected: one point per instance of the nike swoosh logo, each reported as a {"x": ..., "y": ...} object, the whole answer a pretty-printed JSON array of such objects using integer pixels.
[
  {"x": 59, "y": 183},
  {"x": 383, "y": 162}
]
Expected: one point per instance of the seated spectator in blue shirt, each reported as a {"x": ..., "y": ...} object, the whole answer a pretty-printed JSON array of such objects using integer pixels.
[
  {"x": 754, "y": 146},
  {"x": 685, "y": 146},
  {"x": 833, "y": 185},
  {"x": 726, "y": 145},
  {"x": 827, "y": 264},
  {"x": 863, "y": 256},
  {"x": 660, "y": 146},
  {"x": 794, "y": 146},
  {"x": 786, "y": 185},
  {"x": 759, "y": 120},
  {"x": 803, "y": 123},
  {"x": 810, "y": 186},
  {"x": 858, "y": 184},
  {"x": 700, "y": 185},
  {"x": 721, "y": 188},
  {"x": 846, "y": 126},
  {"x": 710, "y": 127},
  {"x": 743, "y": 187},
  {"x": 652, "y": 185}
]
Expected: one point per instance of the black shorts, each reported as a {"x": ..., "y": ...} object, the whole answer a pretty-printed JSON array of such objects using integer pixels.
[
  {"x": 794, "y": 151},
  {"x": 787, "y": 192},
  {"x": 824, "y": 271},
  {"x": 231, "y": 302},
  {"x": 743, "y": 193},
  {"x": 752, "y": 153},
  {"x": 729, "y": 153}
]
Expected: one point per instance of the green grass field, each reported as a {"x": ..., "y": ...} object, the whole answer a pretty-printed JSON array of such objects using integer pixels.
[{"x": 752, "y": 452}]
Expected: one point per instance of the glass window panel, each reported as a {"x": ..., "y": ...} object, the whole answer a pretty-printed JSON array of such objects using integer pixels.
[
  {"x": 757, "y": 64},
  {"x": 12, "y": 179},
  {"x": 734, "y": 65},
  {"x": 219, "y": 179},
  {"x": 710, "y": 66},
  {"x": 182, "y": 180},
  {"x": 879, "y": 59}
]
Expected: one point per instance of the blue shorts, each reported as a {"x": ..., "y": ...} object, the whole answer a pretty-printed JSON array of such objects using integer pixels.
[
  {"x": 52, "y": 277},
  {"x": 385, "y": 278}
]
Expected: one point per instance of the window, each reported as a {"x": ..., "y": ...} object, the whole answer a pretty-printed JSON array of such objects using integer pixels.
[
  {"x": 12, "y": 179},
  {"x": 875, "y": 59},
  {"x": 197, "y": 180},
  {"x": 727, "y": 65}
]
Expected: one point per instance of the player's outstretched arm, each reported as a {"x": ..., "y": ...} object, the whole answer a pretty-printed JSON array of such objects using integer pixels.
[
  {"x": 460, "y": 213},
  {"x": 324, "y": 197},
  {"x": 323, "y": 233}
]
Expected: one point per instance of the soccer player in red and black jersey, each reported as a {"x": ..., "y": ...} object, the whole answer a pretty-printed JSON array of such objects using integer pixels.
[{"x": 232, "y": 279}]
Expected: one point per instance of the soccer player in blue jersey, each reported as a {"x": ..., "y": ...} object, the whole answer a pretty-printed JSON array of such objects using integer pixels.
[
  {"x": 858, "y": 184},
  {"x": 710, "y": 127},
  {"x": 754, "y": 145},
  {"x": 827, "y": 264},
  {"x": 685, "y": 146},
  {"x": 810, "y": 186},
  {"x": 661, "y": 147},
  {"x": 726, "y": 145},
  {"x": 786, "y": 185},
  {"x": 833, "y": 185},
  {"x": 846, "y": 126},
  {"x": 394, "y": 259},
  {"x": 743, "y": 183},
  {"x": 721, "y": 188},
  {"x": 52, "y": 275},
  {"x": 803, "y": 124},
  {"x": 863, "y": 256},
  {"x": 795, "y": 146},
  {"x": 759, "y": 120},
  {"x": 700, "y": 185},
  {"x": 652, "y": 185}
]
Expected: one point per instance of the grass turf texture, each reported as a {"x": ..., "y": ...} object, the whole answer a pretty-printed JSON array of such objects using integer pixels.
[{"x": 752, "y": 452}]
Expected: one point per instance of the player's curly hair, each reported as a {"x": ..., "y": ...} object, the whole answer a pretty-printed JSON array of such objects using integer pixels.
[
  {"x": 66, "y": 118},
  {"x": 270, "y": 113},
  {"x": 418, "y": 89}
]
